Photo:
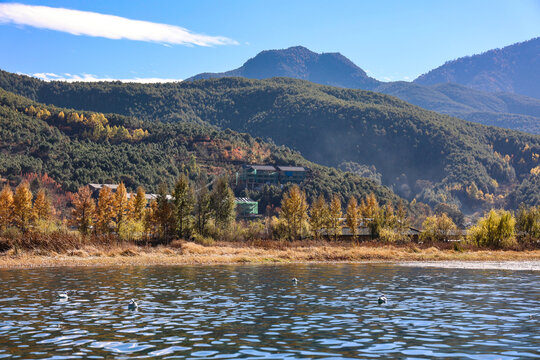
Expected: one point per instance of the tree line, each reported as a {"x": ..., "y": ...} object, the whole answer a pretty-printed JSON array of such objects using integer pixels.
[{"x": 192, "y": 211}]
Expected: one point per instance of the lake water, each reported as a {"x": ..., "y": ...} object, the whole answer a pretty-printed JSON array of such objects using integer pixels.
[{"x": 222, "y": 312}]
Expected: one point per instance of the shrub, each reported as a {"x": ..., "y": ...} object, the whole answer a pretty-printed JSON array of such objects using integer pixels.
[
  {"x": 131, "y": 230},
  {"x": 202, "y": 240},
  {"x": 496, "y": 230},
  {"x": 437, "y": 228}
]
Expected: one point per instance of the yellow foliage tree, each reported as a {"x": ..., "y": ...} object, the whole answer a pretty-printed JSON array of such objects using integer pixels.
[
  {"x": 335, "y": 214},
  {"x": 42, "y": 206},
  {"x": 496, "y": 229},
  {"x": 318, "y": 216},
  {"x": 6, "y": 207},
  {"x": 294, "y": 211},
  {"x": 352, "y": 217},
  {"x": 84, "y": 210},
  {"x": 105, "y": 210},
  {"x": 138, "y": 204},
  {"x": 437, "y": 227},
  {"x": 369, "y": 207},
  {"x": 121, "y": 206},
  {"x": 22, "y": 206}
]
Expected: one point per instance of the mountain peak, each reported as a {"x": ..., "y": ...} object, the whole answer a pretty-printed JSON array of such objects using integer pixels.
[{"x": 301, "y": 63}]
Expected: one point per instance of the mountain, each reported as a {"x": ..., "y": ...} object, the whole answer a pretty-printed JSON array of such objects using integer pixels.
[
  {"x": 74, "y": 149},
  {"x": 512, "y": 69},
  {"x": 511, "y": 111},
  {"x": 298, "y": 62},
  {"x": 421, "y": 154}
]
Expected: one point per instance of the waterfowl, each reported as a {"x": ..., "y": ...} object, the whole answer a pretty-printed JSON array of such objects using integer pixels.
[
  {"x": 133, "y": 305},
  {"x": 63, "y": 296},
  {"x": 294, "y": 280},
  {"x": 382, "y": 299}
]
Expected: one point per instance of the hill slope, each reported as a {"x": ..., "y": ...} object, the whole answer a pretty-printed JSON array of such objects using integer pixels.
[
  {"x": 505, "y": 110},
  {"x": 512, "y": 69},
  {"x": 74, "y": 150},
  {"x": 422, "y": 154}
]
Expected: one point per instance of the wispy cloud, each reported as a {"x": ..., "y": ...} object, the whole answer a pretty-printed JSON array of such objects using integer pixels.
[
  {"x": 92, "y": 78},
  {"x": 101, "y": 25}
]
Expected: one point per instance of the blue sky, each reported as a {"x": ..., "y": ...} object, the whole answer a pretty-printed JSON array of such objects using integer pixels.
[{"x": 391, "y": 40}]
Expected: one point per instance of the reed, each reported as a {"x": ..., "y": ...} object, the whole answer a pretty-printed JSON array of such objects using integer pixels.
[{"x": 108, "y": 252}]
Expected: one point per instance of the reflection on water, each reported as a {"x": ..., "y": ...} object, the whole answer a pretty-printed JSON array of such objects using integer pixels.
[{"x": 257, "y": 312}]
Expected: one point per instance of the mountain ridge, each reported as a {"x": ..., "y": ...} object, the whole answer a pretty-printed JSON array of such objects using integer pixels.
[
  {"x": 511, "y": 69},
  {"x": 334, "y": 69}
]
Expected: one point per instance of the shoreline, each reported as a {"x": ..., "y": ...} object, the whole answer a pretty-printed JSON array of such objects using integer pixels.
[{"x": 187, "y": 253}]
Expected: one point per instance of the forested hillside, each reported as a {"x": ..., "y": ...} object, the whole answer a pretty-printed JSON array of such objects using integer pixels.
[
  {"x": 512, "y": 69},
  {"x": 421, "y": 154},
  {"x": 80, "y": 147},
  {"x": 501, "y": 109}
]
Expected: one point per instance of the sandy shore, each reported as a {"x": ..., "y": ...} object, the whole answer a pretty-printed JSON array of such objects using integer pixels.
[{"x": 187, "y": 253}]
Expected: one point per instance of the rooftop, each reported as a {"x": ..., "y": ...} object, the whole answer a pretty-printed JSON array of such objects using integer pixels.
[
  {"x": 244, "y": 200},
  {"x": 261, "y": 167},
  {"x": 291, "y": 168},
  {"x": 99, "y": 186}
]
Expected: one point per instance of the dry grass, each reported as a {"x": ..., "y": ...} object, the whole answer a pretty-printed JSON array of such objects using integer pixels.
[{"x": 181, "y": 252}]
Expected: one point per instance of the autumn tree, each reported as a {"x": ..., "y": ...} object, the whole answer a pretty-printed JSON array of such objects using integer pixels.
[
  {"x": 105, "y": 210},
  {"x": 138, "y": 204},
  {"x": 437, "y": 228},
  {"x": 335, "y": 215},
  {"x": 183, "y": 200},
  {"x": 223, "y": 203},
  {"x": 42, "y": 206},
  {"x": 6, "y": 207},
  {"x": 352, "y": 217},
  {"x": 496, "y": 230},
  {"x": 528, "y": 221},
  {"x": 163, "y": 213},
  {"x": 121, "y": 206},
  {"x": 369, "y": 207},
  {"x": 294, "y": 211},
  {"x": 150, "y": 220},
  {"x": 372, "y": 214},
  {"x": 318, "y": 219},
  {"x": 22, "y": 206},
  {"x": 402, "y": 218},
  {"x": 84, "y": 210}
]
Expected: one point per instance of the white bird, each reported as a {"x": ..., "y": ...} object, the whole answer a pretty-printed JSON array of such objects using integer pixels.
[
  {"x": 295, "y": 280},
  {"x": 382, "y": 299},
  {"x": 63, "y": 296},
  {"x": 133, "y": 305}
]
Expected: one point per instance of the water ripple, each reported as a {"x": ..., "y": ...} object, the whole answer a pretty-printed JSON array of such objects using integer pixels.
[{"x": 225, "y": 312}]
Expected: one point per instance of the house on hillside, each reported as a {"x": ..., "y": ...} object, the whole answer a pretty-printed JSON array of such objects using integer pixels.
[
  {"x": 294, "y": 174},
  {"x": 253, "y": 176}
]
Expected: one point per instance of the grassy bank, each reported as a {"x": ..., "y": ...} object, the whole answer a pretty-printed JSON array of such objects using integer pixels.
[{"x": 181, "y": 253}]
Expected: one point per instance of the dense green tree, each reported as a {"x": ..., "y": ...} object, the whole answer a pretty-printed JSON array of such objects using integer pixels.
[
  {"x": 223, "y": 203},
  {"x": 183, "y": 200}
]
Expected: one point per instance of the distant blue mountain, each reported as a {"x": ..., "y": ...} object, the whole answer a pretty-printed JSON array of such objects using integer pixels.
[{"x": 512, "y": 69}]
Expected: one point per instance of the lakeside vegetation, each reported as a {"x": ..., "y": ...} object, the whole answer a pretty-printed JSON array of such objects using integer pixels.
[{"x": 124, "y": 224}]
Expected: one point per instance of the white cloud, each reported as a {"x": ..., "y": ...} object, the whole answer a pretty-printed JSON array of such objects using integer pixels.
[
  {"x": 92, "y": 78},
  {"x": 107, "y": 26}
]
